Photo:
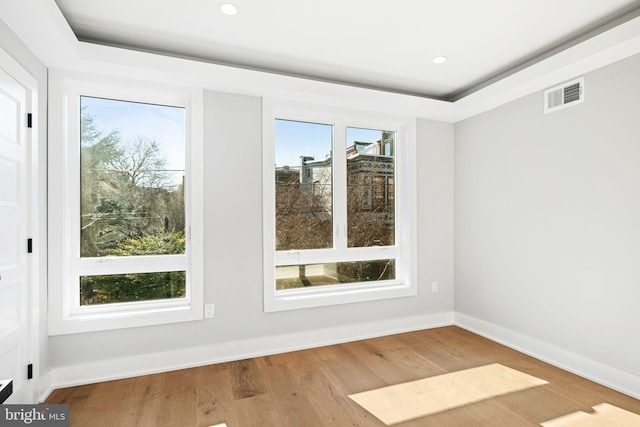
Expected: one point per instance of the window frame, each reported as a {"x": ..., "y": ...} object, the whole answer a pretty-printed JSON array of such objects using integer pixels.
[
  {"x": 66, "y": 315},
  {"x": 404, "y": 250}
]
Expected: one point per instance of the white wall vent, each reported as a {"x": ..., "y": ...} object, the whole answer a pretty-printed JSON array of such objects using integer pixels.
[{"x": 565, "y": 95}]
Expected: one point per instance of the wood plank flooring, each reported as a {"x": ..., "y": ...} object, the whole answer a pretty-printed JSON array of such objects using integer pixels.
[{"x": 310, "y": 388}]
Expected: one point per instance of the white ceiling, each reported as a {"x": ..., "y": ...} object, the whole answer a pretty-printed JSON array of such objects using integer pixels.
[{"x": 386, "y": 45}]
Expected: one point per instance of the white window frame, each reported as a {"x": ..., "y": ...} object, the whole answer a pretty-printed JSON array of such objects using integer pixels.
[
  {"x": 66, "y": 316},
  {"x": 404, "y": 250}
]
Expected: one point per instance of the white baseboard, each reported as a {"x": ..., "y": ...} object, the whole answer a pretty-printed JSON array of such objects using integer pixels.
[
  {"x": 45, "y": 385},
  {"x": 608, "y": 376},
  {"x": 107, "y": 370}
]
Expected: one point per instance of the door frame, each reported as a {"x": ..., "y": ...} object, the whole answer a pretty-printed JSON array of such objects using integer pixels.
[{"x": 35, "y": 205}]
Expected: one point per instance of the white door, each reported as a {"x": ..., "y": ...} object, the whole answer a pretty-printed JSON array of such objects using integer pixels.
[{"x": 14, "y": 228}]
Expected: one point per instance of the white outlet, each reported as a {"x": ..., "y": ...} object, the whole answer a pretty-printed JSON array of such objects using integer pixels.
[
  {"x": 434, "y": 287},
  {"x": 209, "y": 310}
]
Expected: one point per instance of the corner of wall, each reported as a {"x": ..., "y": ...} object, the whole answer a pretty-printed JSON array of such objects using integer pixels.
[{"x": 608, "y": 376}]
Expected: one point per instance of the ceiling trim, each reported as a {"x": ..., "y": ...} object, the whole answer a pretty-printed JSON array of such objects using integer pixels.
[
  {"x": 598, "y": 51},
  {"x": 215, "y": 61},
  {"x": 573, "y": 41},
  {"x": 43, "y": 28}
]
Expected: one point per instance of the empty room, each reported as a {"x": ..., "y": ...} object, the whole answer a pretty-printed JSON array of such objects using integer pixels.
[{"x": 302, "y": 213}]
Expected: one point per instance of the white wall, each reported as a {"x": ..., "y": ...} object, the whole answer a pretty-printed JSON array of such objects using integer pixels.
[
  {"x": 233, "y": 250},
  {"x": 547, "y": 221},
  {"x": 10, "y": 43}
]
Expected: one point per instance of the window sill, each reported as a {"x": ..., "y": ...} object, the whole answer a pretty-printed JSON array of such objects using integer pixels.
[
  {"x": 126, "y": 315},
  {"x": 293, "y": 299}
]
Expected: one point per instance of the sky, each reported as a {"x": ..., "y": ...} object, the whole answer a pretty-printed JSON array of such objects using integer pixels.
[
  {"x": 295, "y": 139},
  {"x": 164, "y": 124}
]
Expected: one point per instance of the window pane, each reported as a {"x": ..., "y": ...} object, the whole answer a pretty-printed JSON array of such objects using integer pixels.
[
  {"x": 132, "y": 168},
  {"x": 298, "y": 276},
  {"x": 114, "y": 288},
  {"x": 370, "y": 187},
  {"x": 303, "y": 172}
]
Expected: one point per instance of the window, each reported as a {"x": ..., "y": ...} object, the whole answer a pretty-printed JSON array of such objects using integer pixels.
[
  {"x": 336, "y": 224},
  {"x": 125, "y": 206}
]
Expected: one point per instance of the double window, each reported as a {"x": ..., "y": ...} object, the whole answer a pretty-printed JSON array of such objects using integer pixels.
[
  {"x": 125, "y": 178},
  {"x": 337, "y": 206}
]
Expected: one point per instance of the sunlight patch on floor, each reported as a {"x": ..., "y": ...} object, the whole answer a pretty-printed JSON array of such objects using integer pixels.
[
  {"x": 604, "y": 415},
  {"x": 414, "y": 399}
]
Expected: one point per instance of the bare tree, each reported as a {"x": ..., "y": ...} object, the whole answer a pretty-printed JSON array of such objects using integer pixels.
[
  {"x": 370, "y": 209},
  {"x": 97, "y": 152},
  {"x": 303, "y": 219},
  {"x": 127, "y": 192}
]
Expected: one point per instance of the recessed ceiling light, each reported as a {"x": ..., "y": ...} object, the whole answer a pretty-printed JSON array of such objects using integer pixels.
[
  {"x": 228, "y": 9},
  {"x": 439, "y": 59}
]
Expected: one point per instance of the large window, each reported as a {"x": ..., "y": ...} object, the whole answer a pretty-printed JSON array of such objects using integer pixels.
[
  {"x": 126, "y": 167},
  {"x": 132, "y": 172},
  {"x": 335, "y": 219}
]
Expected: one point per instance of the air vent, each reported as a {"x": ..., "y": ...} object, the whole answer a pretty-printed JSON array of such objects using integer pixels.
[{"x": 566, "y": 95}]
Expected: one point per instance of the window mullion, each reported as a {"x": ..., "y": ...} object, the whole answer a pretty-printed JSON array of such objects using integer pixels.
[
  {"x": 130, "y": 264},
  {"x": 339, "y": 187}
]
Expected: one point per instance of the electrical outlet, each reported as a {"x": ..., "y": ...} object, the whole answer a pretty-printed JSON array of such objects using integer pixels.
[
  {"x": 434, "y": 287},
  {"x": 209, "y": 310}
]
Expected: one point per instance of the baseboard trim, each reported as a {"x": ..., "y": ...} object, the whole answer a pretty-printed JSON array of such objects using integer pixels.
[
  {"x": 608, "y": 376},
  {"x": 45, "y": 385},
  {"x": 107, "y": 370}
]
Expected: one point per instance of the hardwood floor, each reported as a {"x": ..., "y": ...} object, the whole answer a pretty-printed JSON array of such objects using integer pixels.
[{"x": 310, "y": 388}]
